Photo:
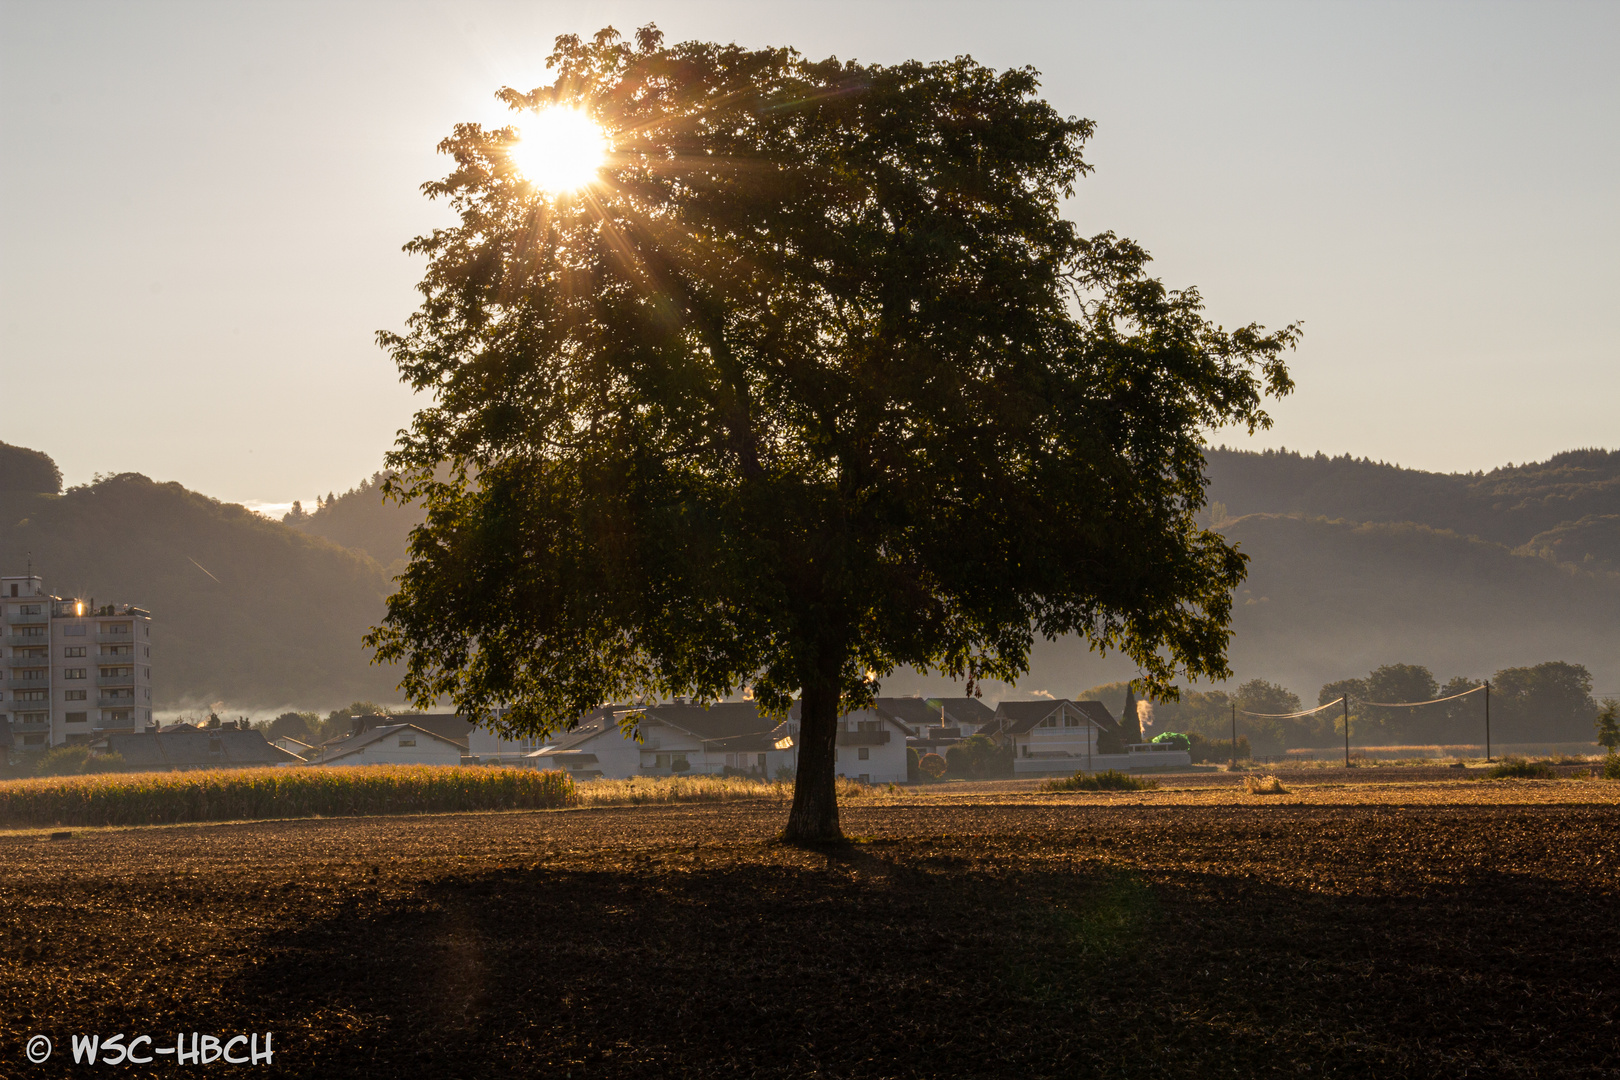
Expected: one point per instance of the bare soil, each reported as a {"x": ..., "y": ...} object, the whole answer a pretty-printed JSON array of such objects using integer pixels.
[{"x": 1028, "y": 939}]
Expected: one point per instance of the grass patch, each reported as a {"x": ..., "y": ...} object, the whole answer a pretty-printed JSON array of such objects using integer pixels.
[
  {"x": 1110, "y": 780},
  {"x": 1520, "y": 769},
  {"x": 1263, "y": 785}
]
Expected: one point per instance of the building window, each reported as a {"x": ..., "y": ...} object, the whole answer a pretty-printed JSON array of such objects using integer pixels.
[
  {"x": 73, "y": 695},
  {"x": 1050, "y": 721},
  {"x": 31, "y": 695},
  {"x": 72, "y": 651},
  {"x": 73, "y": 673},
  {"x": 864, "y": 753},
  {"x": 149, "y": 652},
  {"x": 660, "y": 761},
  {"x": 1071, "y": 721},
  {"x": 77, "y": 717},
  {"x": 407, "y": 740},
  {"x": 33, "y": 740},
  {"x": 74, "y": 631}
]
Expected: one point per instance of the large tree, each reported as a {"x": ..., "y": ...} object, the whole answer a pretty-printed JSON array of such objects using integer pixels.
[{"x": 813, "y": 381}]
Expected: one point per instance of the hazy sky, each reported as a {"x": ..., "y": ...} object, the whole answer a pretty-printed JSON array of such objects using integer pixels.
[{"x": 203, "y": 206}]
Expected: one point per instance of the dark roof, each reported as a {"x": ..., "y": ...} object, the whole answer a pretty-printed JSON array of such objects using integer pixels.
[
  {"x": 365, "y": 738},
  {"x": 966, "y": 711},
  {"x": 723, "y": 726},
  {"x": 445, "y": 725},
  {"x": 1018, "y": 717},
  {"x": 194, "y": 747},
  {"x": 913, "y": 712}
]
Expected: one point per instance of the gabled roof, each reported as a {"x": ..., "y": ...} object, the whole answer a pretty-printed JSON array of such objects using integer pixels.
[
  {"x": 724, "y": 727},
  {"x": 919, "y": 714},
  {"x": 192, "y": 746},
  {"x": 1019, "y": 717},
  {"x": 884, "y": 715},
  {"x": 355, "y": 743},
  {"x": 444, "y": 725}
]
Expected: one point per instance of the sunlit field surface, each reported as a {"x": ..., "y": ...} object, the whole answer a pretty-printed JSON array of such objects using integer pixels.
[
  {"x": 129, "y": 799},
  {"x": 1354, "y": 926}
]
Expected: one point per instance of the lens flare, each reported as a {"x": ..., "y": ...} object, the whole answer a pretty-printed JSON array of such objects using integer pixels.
[{"x": 559, "y": 149}]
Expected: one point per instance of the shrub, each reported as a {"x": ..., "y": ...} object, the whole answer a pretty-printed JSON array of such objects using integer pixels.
[
  {"x": 62, "y": 761},
  {"x": 1180, "y": 741},
  {"x": 1263, "y": 785},
  {"x": 913, "y": 758},
  {"x": 1204, "y": 750},
  {"x": 931, "y": 766},
  {"x": 1110, "y": 780},
  {"x": 1520, "y": 769},
  {"x": 977, "y": 757},
  {"x": 1611, "y": 767},
  {"x": 105, "y": 763}
]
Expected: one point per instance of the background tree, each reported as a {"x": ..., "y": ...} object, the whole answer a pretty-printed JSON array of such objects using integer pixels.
[
  {"x": 1395, "y": 683},
  {"x": 1267, "y": 734},
  {"x": 1608, "y": 725},
  {"x": 1550, "y": 702},
  {"x": 1130, "y": 724},
  {"x": 812, "y": 382}
]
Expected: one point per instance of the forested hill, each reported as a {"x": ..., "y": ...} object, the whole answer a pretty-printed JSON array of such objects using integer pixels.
[
  {"x": 361, "y": 519},
  {"x": 1567, "y": 506},
  {"x": 246, "y": 611}
]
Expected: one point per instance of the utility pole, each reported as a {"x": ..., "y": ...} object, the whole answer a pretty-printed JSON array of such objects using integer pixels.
[
  {"x": 1234, "y": 734},
  {"x": 1487, "y": 721},
  {"x": 1345, "y": 700}
]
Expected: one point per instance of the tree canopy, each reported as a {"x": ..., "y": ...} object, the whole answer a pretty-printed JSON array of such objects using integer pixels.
[{"x": 815, "y": 381}]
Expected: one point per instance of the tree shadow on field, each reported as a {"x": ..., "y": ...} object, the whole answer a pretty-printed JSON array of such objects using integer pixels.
[{"x": 932, "y": 966}]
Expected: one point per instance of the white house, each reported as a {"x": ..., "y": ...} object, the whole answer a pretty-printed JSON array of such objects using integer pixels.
[
  {"x": 1061, "y": 737},
  {"x": 687, "y": 739},
  {"x": 392, "y": 744}
]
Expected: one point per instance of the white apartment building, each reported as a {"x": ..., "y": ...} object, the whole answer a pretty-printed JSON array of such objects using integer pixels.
[{"x": 74, "y": 671}]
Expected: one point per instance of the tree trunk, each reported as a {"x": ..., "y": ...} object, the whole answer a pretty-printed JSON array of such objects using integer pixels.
[{"x": 814, "y": 817}]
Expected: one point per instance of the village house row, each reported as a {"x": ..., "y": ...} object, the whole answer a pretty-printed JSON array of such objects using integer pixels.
[{"x": 78, "y": 673}]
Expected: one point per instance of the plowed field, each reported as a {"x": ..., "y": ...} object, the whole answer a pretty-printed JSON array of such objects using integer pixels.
[{"x": 1024, "y": 938}]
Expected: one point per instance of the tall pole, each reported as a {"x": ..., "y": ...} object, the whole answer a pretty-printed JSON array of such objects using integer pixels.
[
  {"x": 1234, "y": 734},
  {"x": 1487, "y": 721},
  {"x": 1345, "y": 700}
]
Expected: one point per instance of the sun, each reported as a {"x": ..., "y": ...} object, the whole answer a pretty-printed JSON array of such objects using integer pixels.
[{"x": 559, "y": 149}]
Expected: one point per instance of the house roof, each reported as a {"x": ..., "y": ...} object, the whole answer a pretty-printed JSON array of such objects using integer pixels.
[
  {"x": 920, "y": 714},
  {"x": 193, "y": 746},
  {"x": 724, "y": 727},
  {"x": 444, "y": 725},
  {"x": 355, "y": 743},
  {"x": 1019, "y": 717},
  {"x": 885, "y": 715}
]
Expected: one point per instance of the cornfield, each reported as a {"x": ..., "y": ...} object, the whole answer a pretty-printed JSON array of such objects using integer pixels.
[
  {"x": 244, "y": 794},
  {"x": 252, "y": 794},
  {"x": 669, "y": 789}
]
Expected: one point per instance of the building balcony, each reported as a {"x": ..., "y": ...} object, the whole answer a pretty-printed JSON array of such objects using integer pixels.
[
  {"x": 28, "y": 661},
  {"x": 115, "y": 702},
  {"x": 29, "y": 684},
  {"x": 115, "y": 680},
  {"x": 115, "y": 639},
  {"x": 30, "y": 727},
  {"x": 26, "y": 640},
  {"x": 863, "y": 738},
  {"x": 29, "y": 620}
]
